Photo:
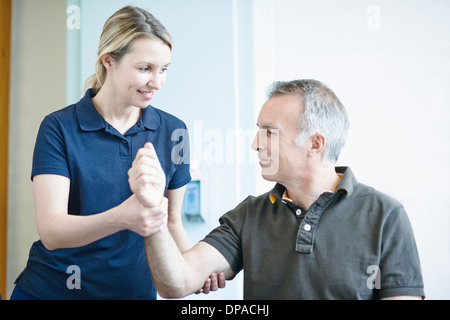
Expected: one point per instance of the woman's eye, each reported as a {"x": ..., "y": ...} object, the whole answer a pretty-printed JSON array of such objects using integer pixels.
[{"x": 144, "y": 69}]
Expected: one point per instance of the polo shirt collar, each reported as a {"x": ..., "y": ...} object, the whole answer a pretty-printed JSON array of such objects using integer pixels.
[
  {"x": 348, "y": 181},
  {"x": 150, "y": 118},
  {"x": 278, "y": 192},
  {"x": 347, "y": 184},
  {"x": 90, "y": 119}
]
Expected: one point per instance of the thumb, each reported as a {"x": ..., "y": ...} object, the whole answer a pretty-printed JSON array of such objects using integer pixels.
[{"x": 149, "y": 146}]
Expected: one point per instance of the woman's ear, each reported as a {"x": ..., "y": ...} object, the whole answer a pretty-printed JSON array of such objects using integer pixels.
[{"x": 107, "y": 61}]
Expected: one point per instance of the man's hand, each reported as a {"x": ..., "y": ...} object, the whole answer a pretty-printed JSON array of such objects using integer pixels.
[
  {"x": 146, "y": 177},
  {"x": 213, "y": 283}
]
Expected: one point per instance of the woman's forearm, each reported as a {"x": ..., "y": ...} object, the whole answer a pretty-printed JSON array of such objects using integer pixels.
[
  {"x": 71, "y": 231},
  {"x": 59, "y": 229}
]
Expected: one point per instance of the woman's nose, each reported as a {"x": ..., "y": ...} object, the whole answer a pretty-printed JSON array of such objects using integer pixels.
[{"x": 156, "y": 81}]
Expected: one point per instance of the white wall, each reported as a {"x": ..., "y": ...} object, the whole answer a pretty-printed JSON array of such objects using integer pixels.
[
  {"x": 388, "y": 61},
  {"x": 37, "y": 88},
  {"x": 211, "y": 74},
  {"x": 392, "y": 74},
  {"x": 209, "y": 86}
]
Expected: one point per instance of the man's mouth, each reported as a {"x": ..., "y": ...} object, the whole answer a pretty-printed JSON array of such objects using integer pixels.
[{"x": 264, "y": 162}]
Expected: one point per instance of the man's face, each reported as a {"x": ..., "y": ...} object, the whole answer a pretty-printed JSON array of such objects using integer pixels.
[{"x": 280, "y": 158}]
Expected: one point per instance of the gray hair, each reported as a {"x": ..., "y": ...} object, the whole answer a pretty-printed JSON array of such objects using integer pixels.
[{"x": 323, "y": 113}]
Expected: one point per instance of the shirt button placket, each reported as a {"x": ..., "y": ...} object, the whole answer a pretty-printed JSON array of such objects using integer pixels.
[{"x": 125, "y": 149}]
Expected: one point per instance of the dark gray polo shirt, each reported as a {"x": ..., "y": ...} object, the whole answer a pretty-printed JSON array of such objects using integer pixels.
[{"x": 354, "y": 243}]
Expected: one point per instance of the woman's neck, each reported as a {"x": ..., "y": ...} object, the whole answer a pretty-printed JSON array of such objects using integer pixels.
[{"x": 119, "y": 115}]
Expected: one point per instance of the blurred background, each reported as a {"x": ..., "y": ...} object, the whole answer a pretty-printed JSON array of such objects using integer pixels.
[{"x": 388, "y": 62}]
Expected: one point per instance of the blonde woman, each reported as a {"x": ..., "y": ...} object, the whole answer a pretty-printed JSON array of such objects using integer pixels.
[{"x": 91, "y": 226}]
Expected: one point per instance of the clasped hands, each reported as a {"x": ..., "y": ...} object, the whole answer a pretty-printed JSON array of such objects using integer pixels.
[{"x": 147, "y": 182}]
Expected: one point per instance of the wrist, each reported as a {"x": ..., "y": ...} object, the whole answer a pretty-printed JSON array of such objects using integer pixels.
[{"x": 118, "y": 218}]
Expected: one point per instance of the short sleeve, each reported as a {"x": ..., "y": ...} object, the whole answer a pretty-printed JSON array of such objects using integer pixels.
[
  {"x": 50, "y": 152},
  {"x": 226, "y": 238},
  {"x": 180, "y": 157},
  {"x": 400, "y": 264}
]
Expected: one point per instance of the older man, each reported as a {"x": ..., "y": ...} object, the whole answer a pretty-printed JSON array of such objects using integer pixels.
[{"x": 318, "y": 234}]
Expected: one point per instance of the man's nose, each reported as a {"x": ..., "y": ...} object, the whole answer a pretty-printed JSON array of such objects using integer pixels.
[{"x": 257, "y": 142}]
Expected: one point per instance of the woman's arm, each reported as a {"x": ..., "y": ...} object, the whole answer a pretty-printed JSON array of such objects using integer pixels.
[{"x": 58, "y": 229}]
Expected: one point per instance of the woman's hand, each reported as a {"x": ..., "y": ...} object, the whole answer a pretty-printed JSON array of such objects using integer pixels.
[
  {"x": 146, "y": 177},
  {"x": 141, "y": 220}
]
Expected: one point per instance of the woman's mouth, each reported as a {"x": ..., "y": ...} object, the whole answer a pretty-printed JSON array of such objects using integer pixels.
[{"x": 148, "y": 95}]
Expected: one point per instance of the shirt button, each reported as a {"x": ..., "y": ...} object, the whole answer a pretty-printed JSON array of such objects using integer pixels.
[
  {"x": 124, "y": 141},
  {"x": 307, "y": 227},
  {"x": 298, "y": 212}
]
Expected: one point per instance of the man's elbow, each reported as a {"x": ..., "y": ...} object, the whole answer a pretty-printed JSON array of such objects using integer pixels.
[{"x": 170, "y": 292}]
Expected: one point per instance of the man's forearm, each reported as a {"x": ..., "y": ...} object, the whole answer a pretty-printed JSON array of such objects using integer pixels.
[{"x": 168, "y": 267}]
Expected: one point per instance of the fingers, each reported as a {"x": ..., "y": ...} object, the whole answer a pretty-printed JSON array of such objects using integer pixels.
[
  {"x": 213, "y": 283},
  {"x": 210, "y": 284},
  {"x": 149, "y": 146},
  {"x": 206, "y": 287},
  {"x": 146, "y": 177},
  {"x": 145, "y": 166},
  {"x": 145, "y": 160},
  {"x": 154, "y": 219},
  {"x": 147, "y": 151},
  {"x": 222, "y": 280}
]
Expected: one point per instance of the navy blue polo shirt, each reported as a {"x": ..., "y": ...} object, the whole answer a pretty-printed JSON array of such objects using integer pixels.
[{"x": 76, "y": 142}]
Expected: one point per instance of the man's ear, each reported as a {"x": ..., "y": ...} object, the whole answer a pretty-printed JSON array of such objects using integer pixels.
[{"x": 318, "y": 143}]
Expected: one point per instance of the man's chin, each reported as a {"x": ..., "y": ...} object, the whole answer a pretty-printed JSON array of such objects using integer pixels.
[{"x": 269, "y": 173}]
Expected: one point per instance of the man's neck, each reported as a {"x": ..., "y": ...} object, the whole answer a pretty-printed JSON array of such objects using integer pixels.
[{"x": 305, "y": 191}]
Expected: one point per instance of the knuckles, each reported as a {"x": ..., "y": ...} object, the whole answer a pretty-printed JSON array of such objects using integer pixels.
[{"x": 152, "y": 221}]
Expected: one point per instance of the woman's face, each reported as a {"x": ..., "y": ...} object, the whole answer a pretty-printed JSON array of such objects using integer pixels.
[{"x": 140, "y": 73}]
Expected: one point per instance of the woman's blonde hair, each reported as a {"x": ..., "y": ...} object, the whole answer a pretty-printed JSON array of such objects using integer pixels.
[{"x": 119, "y": 32}]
